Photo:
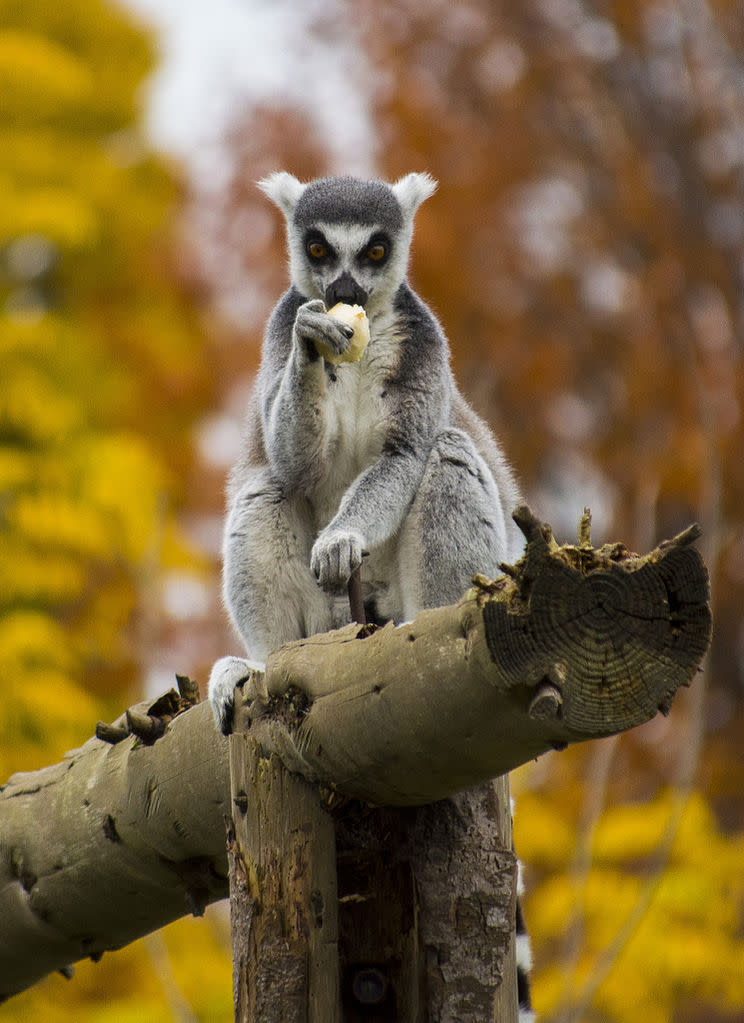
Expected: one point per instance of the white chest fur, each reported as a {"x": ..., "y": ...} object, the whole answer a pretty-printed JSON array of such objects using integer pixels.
[{"x": 356, "y": 406}]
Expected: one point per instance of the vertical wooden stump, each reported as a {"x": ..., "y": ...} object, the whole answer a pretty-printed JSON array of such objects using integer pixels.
[
  {"x": 381, "y": 959},
  {"x": 283, "y": 894},
  {"x": 466, "y": 878},
  {"x": 383, "y": 915},
  {"x": 374, "y": 915},
  {"x": 426, "y": 911}
]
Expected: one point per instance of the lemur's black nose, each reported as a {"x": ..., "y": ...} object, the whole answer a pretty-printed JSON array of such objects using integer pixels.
[{"x": 345, "y": 289}]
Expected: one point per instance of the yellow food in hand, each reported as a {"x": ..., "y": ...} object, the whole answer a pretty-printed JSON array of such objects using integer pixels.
[{"x": 355, "y": 317}]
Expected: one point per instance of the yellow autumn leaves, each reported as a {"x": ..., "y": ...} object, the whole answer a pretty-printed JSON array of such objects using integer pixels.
[
  {"x": 99, "y": 364},
  {"x": 101, "y": 374},
  {"x": 687, "y": 944}
]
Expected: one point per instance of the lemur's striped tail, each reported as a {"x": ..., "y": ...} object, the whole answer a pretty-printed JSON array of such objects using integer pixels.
[
  {"x": 524, "y": 957},
  {"x": 524, "y": 963}
]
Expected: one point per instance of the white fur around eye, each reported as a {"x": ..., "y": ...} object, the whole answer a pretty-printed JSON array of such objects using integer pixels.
[{"x": 347, "y": 239}]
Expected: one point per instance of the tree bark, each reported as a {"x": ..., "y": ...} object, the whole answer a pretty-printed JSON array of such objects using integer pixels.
[
  {"x": 113, "y": 843},
  {"x": 427, "y": 902},
  {"x": 283, "y": 894},
  {"x": 347, "y": 911},
  {"x": 574, "y": 643}
]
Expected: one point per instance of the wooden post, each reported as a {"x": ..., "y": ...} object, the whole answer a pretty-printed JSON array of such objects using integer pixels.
[
  {"x": 426, "y": 911},
  {"x": 383, "y": 915},
  {"x": 283, "y": 899},
  {"x": 404, "y": 913},
  {"x": 392, "y": 915}
]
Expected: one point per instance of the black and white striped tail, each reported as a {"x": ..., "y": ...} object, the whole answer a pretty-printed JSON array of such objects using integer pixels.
[{"x": 524, "y": 959}]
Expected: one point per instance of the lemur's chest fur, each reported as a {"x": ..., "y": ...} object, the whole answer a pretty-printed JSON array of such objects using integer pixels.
[{"x": 356, "y": 410}]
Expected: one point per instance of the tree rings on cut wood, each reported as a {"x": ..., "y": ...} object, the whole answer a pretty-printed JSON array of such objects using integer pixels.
[
  {"x": 571, "y": 643},
  {"x": 623, "y": 631}
]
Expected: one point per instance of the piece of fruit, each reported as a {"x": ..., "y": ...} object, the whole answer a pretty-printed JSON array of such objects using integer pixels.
[{"x": 355, "y": 317}]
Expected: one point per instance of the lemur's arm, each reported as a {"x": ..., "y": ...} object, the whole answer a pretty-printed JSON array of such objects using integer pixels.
[
  {"x": 293, "y": 388},
  {"x": 375, "y": 504},
  {"x": 371, "y": 510},
  {"x": 377, "y": 500}
]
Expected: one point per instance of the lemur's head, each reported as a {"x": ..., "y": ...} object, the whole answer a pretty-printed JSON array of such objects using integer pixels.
[{"x": 348, "y": 239}]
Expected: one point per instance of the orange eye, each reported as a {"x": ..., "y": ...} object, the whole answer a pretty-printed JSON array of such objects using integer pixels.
[
  {"x": 317, "y": 250},
  {"x": 376, "y": 253}
]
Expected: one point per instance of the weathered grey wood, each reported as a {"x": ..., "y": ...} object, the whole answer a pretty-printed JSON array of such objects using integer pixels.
[
  {"x": 426, "y": 914},
  {"x": 572, "y": 643},
  {"x": 112, "y": 843},
  {"x": 426, "y": 900},
  {"x": 283, "y": 894},
  {"x": 466, "y": 874}
]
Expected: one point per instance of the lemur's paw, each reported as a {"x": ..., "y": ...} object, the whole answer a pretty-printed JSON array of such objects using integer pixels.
[
  {"x": 328, "y": 334},
  {"x": 334, "y": 557},
  {"x": 227, "y": 673}
]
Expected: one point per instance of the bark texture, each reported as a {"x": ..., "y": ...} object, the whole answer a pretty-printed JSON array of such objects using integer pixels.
[
  {"x": 573, "y": 643},
  {"x": 283, "y": 894},
  {"x": 427, "y": 902},
  {"x": 345, "y": 911},
  {"x": 113, "y": 843}
]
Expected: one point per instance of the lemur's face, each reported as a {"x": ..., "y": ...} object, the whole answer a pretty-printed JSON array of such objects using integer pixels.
[
  {"x": 349, "y": 239},
  {"x": 354, "y": 263}
]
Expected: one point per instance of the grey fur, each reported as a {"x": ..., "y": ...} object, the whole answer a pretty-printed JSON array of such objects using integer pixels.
[
  {"x": 382, "y": 456},
  {"x": 348, "y": 201}
]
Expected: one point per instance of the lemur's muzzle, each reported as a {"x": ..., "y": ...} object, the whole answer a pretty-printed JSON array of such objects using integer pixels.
[{"x": 345, "y": 289}]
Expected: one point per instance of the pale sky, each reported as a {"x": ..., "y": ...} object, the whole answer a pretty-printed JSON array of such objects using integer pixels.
[{"x": 219, "y": 56}]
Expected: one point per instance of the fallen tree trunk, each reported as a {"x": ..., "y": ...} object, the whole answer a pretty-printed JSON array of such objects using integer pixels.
[
  {"x": 574, "y": 643},
  {"x": 113, "y": 843}
]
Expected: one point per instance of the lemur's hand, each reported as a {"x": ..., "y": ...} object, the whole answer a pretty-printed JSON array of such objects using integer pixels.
[
  {"x": 315, "y": 327},
  {"x": 334, "y": 557}
]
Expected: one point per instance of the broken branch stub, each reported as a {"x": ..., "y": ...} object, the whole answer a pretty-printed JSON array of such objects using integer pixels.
[{"x": 572, "y": 643}]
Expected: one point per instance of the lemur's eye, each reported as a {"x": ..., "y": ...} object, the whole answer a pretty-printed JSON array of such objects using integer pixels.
[
  {"x": 376, "y": 252},
  {"x": 317, "y": 250}
]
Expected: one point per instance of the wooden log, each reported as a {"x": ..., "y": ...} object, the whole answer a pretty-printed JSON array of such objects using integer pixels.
[
  {"x": 571, "y": 643},
  {"x": 112, "y": 843},
  {"x": 283, "y": 893},
  {"x": 426, "y": 910}
]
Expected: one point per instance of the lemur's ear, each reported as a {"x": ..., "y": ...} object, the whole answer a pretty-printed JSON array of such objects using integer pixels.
[
  {"x": 411, "y": 191},
  {"x": 283, "y": 189}
]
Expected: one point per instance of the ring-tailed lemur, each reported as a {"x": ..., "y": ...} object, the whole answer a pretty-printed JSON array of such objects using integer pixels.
[{"x": 382, "y": 457}]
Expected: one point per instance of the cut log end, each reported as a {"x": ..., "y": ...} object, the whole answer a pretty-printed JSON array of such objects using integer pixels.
[{"x": 628, "y": 630}]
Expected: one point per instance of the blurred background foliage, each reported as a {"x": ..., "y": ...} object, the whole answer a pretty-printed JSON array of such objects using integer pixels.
[
  {"x": 103, "y": 368},
  {"x": 585, "y": 253}
]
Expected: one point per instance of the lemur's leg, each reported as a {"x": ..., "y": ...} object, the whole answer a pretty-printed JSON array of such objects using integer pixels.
[
  {"x": 456, "y": 526},
  {"x": 269, "y": 590}
]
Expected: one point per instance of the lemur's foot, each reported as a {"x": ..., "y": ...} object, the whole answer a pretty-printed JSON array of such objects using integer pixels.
[{"x": 227, "y": 673}]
